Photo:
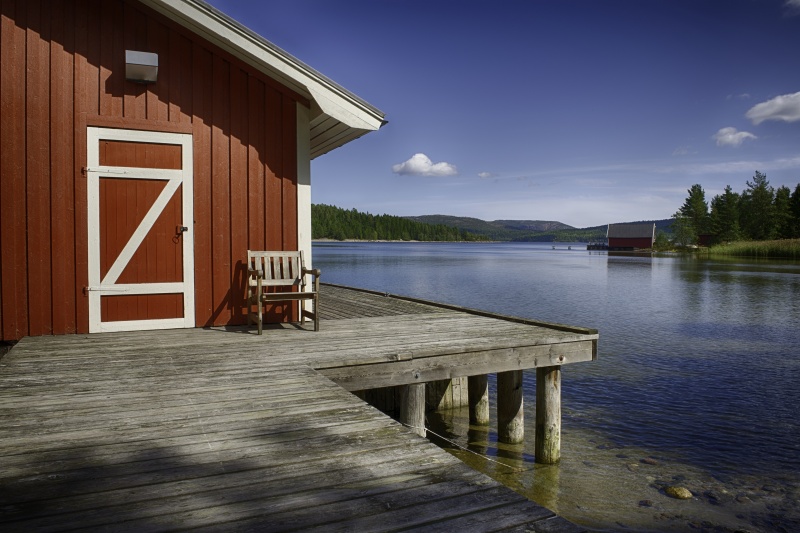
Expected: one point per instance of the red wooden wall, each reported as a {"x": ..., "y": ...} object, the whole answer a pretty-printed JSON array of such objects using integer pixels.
[
  {"x": 629, "y": 242},
  {"x": 63, "y": 69}
]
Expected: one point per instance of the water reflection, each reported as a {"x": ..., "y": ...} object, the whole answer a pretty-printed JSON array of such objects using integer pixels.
[
  {"x": 478, "y": 439},
  {"x": 698, "y": 361}
]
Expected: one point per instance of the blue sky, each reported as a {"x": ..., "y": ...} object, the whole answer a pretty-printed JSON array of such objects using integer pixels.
[{"x": 581, "y": 111}]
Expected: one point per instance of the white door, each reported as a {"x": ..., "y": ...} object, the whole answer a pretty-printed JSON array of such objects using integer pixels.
[{"x": 140, "y": 209}]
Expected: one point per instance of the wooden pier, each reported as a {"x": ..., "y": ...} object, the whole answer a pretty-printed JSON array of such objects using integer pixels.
[{"x": 227, "y": 430}]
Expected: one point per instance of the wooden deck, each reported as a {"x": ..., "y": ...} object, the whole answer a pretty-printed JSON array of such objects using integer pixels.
[{"x": 227, "y": 430}]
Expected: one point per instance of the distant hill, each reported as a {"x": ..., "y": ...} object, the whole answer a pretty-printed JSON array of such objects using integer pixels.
[
  {"x": 533, "y": 225},
  {"x": 499, "y": 230},
  {"x": 664, "y": 225},
  {"x": 529, "y": 230},
  {"x": 333, "y": 222}
]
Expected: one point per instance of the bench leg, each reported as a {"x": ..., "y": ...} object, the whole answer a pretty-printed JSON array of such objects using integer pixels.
[{"x": 315, "y": 310}]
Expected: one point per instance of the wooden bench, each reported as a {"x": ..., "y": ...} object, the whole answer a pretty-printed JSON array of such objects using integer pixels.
[{"x": 279, "y": 270}]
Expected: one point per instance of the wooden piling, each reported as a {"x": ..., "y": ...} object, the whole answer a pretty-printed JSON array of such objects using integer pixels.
[
  {"x": 478, "y": 387},
  {"x": 446, "y": 394},
  {"x": 547, "y": 448},
  {"x": 510, "y": 416},
  {"x": 412, "y": 407}
]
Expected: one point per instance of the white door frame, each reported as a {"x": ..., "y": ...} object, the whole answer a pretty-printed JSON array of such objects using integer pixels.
[{"x": 174, "y": 178}]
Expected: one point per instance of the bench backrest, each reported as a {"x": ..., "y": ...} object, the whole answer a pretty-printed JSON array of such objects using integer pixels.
[{"x": 280, "y": 268}]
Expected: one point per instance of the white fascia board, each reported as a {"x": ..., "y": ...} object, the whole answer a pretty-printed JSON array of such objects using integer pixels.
[
  {"x": 332, "y": 99},
  {"x": 304, "y": 184},
  {"x": 334, "y": 106}
]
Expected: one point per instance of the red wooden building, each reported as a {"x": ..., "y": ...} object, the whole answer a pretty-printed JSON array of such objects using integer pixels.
[
  {"x": 131, "y": 204},
  {"x": 631, "y": 236}
]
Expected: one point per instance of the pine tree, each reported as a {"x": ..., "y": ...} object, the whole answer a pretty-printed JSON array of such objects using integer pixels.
[
  {"x": 757, "y": 209},
  {"x": 725, "y": 216},
  {"x": 794, "y": 209},
  {"x": 682, "y": 229},
  {"x": 783, "y": 213},
  {"x": 695, "y": 210}
]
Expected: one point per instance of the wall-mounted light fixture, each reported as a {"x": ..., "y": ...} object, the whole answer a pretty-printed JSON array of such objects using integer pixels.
[{"x": 141, "y": 67}]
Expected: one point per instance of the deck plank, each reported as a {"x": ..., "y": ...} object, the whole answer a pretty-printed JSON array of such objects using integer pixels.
[{"x": 223, "y": 429}]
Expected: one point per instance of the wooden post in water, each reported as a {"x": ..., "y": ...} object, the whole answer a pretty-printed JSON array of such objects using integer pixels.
[
  {"x": 510, "y": 416},
  {"x": 412, "y": 407},
  {"x": 446, "y": 394},
  {"x": 547, "y": 449},
  {"x": 478, "y": 390}
]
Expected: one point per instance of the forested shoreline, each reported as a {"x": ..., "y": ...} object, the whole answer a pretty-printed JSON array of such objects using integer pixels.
[
  {"x": 334, "y": 223},
  {"x": 761, "y": 221},
  {"x": 331, "y": 222},
  {"x": 759, "y": 213}
]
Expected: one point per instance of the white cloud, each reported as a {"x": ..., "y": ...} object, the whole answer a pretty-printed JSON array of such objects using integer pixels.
[
  {"x": 485, "y": 175},
  {"x": 421, "y": 165},
  {"x": 792, "y": 7},
  {"x": 785, "y": 107},
  {"x": 731, "y": 137}
]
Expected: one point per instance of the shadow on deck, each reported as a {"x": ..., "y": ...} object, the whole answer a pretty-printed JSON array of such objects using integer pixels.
[{"x": 212, "y": 430}]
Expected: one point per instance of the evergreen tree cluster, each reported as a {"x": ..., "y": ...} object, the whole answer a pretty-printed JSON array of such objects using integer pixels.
[
  {"x": 331, "y": 222},
  {"x": 758, "y": 213}
]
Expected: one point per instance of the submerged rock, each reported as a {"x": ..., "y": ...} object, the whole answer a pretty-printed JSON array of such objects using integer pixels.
[
  {"x": 649, "y": 461},
  {"x": 680, "y": 493},
  {"x": 717, "y": 497}
]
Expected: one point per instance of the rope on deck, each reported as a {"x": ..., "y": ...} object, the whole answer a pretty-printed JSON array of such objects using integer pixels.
[{"x": 457, "y": 445}]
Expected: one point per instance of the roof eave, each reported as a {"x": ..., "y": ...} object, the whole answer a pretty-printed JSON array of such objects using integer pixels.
[
  {"x": 337, "y": 110},
  {"x": 631, "y": 231}
]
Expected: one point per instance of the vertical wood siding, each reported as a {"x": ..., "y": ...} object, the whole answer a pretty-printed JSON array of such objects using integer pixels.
[
  {"x": 63, "y": 68},
  {"x": 624, "y": 242}
]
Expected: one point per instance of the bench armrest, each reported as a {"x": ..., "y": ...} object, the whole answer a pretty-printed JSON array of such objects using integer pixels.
[{"x": 315, "y": 272}]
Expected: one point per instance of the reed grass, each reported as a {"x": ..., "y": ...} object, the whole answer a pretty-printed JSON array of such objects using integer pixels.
[{"x": 780, "y": 249}]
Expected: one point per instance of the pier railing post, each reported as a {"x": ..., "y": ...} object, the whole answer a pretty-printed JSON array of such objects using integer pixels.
[
  {"x": 510, "y": 416},
  {"x": 478, "y": 390},
  {"x": 547, "y": 449},
  {"x": 412, "y": 407}
]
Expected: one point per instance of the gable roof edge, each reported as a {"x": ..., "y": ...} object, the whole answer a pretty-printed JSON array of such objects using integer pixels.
[
  {"x": 631, "y": 231},
  {"x": 331, "y": 99}
]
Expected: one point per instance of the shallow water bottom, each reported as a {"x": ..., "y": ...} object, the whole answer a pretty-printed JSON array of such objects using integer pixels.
[{"x": 611, "y": 488}]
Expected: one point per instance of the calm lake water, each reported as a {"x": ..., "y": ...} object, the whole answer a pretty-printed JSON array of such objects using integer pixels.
[{"x": 697, "y": 381}]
